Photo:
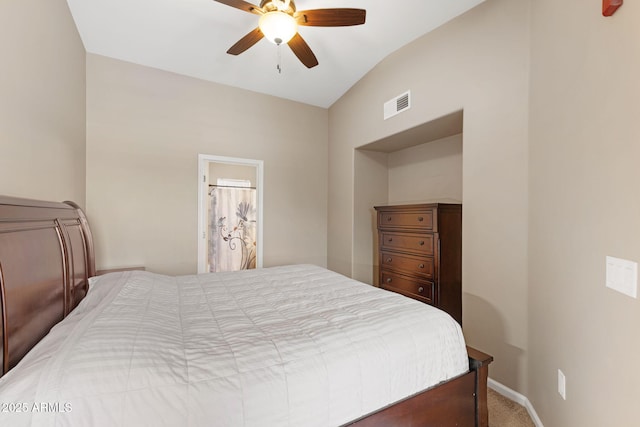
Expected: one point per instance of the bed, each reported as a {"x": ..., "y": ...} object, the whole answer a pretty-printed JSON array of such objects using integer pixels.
[{"x": 292, "y": 345}]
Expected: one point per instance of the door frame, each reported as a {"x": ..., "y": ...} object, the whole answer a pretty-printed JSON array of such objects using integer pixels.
[{"x": 203, "y": 187}]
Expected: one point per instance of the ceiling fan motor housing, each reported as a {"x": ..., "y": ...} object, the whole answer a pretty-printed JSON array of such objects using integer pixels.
[{"x": 286, "y": 6}]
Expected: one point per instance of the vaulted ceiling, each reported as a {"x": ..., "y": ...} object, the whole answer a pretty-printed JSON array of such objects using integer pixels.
[{"x": 191, "y": 37}]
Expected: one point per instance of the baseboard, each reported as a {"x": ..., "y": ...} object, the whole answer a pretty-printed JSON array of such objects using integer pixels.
[{"x": 516, "y": 397}]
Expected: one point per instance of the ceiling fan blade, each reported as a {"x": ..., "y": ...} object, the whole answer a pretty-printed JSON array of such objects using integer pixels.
[
  {"x": 302, "y": 50},
  {"x": 342, "y": 17},
  {"x": 242, "y": 5},
  {"x": 246, "y": 42}
]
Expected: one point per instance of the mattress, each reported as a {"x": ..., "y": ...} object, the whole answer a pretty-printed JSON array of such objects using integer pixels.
[{"x": 283, "y": 346}]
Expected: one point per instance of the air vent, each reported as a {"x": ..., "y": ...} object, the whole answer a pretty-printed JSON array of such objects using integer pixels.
[{"x": 397, "y": 105}]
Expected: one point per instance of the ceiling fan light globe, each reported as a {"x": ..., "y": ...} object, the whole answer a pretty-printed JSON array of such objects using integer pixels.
[{"x": 278, "y": 27}]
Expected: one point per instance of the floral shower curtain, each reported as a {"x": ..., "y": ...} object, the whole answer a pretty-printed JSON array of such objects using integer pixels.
[{"x": 232, "y": 229}]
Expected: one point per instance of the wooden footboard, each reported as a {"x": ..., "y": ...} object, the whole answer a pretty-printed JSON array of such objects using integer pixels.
[
  {"x": 461, "y": 402},
  {"x": 479, "y": 363}
]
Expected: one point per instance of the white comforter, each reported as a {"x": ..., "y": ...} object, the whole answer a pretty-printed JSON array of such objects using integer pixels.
[{"x": 283, "y": 346}]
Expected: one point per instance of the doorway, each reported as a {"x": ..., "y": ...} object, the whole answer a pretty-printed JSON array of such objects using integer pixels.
[{"x": 230, "y": 206}]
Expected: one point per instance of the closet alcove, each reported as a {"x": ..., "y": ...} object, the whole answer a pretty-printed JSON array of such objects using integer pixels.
[{"x": 418, "y": 165}]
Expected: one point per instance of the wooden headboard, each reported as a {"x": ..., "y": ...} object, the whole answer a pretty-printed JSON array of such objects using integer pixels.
[{"x": 46, "y": 259}]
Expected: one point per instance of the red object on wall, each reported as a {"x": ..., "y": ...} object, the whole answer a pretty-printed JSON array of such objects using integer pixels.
[{"x": 609, "y": 7}]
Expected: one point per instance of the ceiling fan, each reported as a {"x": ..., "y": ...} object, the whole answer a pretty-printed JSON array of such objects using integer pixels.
[{"x": 279, "y": 22}]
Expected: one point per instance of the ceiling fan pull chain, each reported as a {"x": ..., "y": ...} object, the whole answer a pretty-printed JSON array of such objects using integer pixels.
[{"x": 279, "y": 59}]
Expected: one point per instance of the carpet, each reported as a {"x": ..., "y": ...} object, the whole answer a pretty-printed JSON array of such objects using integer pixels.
[{"x": 507, "y": 413}]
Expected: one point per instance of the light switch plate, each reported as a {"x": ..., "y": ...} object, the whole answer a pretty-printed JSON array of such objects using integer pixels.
[
  {"x": 562, "y": 384},
  {"x": 622, "y": 276}
]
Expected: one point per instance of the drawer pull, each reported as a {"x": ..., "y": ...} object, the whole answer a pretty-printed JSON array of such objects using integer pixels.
[
  {"x": 389, "y": 259},
  {"x": 421, "y": 266},
  {"x": 388, "y": 218},
  {"x": 420, "y": 219},
  {"x": 421, "y": 242},
  {"x": 389, "y": 279},
  {"x": 420, "y": 289},
  {"x": 390, "y": 239}
]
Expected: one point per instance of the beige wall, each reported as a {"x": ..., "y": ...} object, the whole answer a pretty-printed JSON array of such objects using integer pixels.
[
  {"x": 430, "y": 171},
  {"x": 479, "y": 63},
  {"x": 371, "y": 186},
  {"x": 42, "y": 102},
  {"x": 145, "y": 129},
  {"x": 584, "y": 175}
]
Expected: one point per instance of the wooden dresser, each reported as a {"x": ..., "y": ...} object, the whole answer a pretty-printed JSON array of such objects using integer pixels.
[{"x": 420, "y": 253}]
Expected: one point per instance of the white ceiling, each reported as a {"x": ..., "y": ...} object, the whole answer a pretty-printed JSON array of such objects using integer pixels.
[{"x": 191, "y": 37}]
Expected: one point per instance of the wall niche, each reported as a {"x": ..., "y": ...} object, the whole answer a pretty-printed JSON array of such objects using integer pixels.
[{"x": 422, "y": 164}]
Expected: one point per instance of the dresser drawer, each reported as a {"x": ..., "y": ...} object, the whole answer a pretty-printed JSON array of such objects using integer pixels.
[
  {"x": 422, "y": 244},
  {"x": 423, "y": 266},
  {"x": 419, "y": 253},
  {"x": 422, "y": 290},
  {"x": 418, "y": 219}
]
